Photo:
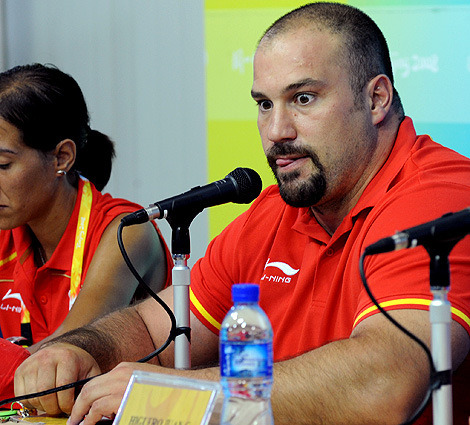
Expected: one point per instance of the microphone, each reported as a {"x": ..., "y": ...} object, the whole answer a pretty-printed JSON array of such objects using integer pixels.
[
  {"x": 448, "y": 228},
  {"x": 241, "y": 186}
]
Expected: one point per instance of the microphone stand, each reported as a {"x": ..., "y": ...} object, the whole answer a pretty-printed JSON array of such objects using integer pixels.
[
  {"x": 181, "y": 280},
  {"x": 440, "y": 319}
]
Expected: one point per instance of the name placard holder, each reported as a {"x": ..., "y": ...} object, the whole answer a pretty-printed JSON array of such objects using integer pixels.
[{"x": 159, "y": 399}]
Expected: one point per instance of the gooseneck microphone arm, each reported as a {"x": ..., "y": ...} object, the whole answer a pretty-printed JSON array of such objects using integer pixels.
[
  {"x": 438, "y": 237},
  {"x": 242, "y": 185},
  {"x": 440, "y": 318}
]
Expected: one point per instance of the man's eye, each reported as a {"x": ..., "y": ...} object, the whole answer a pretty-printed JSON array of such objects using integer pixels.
[
  {"x": 304, "y": 98},
  {"x": 5, "y": 166},
  {"x": 264, "y": 105}
]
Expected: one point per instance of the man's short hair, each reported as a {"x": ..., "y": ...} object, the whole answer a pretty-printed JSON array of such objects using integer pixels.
[{"x": 365, "y": 48}]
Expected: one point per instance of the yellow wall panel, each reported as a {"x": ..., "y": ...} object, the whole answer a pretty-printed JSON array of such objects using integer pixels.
[{"x": 238, "y": 145}]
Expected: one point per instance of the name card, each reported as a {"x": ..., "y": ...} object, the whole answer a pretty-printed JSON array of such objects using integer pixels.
[{"x": 159, "y": 399}]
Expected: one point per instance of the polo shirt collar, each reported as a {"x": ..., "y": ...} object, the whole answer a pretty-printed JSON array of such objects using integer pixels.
[{"x": 380, "y": 184}]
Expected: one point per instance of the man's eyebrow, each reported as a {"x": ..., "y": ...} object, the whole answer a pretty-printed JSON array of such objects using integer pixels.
[
  {"x": 294, "y": 86},
  {"x": 302, "y": 83},
  {"x": 257, "y": 94}
]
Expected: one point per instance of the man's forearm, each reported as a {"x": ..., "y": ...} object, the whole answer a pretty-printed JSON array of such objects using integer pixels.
[
  {"x": 117, "y": 337},
  {"x": 376, "y": 378}
]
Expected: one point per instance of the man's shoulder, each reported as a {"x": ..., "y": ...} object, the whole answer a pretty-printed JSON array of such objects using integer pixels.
[
  {"x": 418, "y": 161},
  {"x": 430, "y": 161},
  {"x": 427, "y": 150},
  {"x": 414, "y": 154}
]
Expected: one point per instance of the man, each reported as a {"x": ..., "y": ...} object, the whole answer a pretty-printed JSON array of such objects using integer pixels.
[{"x": 350, "y": 171}]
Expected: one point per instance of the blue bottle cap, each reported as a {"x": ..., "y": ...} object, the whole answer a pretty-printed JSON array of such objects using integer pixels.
[{"x": 245, "y": 292}]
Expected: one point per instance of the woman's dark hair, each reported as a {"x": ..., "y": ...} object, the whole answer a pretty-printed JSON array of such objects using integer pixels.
[
  {"x": 47, "y": 106},
  {"x": 365, "y": 48}
]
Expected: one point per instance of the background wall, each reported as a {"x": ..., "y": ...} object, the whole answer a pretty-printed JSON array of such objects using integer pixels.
[
  {"x": 148, "y": 68},
  {"x": 430, "y": 52},
  {"x": 140, "y": 65}
]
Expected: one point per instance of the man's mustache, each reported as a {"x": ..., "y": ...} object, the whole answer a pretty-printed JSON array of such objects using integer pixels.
[{"x": 286, "y": 149}]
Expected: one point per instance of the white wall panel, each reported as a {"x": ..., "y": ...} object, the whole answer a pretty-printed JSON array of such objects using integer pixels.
[{"x": 141, "y": 67}]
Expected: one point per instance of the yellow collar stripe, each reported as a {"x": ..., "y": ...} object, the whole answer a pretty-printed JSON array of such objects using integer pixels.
[{"x": 8, "y": 259}]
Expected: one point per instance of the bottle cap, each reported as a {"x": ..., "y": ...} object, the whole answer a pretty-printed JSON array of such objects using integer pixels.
[{"x": 245, "y": 292}]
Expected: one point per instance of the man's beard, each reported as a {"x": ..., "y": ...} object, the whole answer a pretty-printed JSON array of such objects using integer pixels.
[{"x": 296, "y": 192}]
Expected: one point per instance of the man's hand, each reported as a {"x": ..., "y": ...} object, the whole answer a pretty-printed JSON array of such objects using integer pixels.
[
  {"x": 53, "y": 366},
  {"x": 102, "y": 396}
]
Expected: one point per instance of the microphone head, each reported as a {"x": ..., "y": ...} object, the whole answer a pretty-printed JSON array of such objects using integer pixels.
[{"x": 248, "y": 183}]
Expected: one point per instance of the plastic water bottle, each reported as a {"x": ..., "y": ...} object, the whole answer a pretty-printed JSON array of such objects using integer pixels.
[{"x": 246, "y": 360}]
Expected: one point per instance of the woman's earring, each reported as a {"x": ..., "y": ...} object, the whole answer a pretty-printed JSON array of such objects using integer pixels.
[{"x": 61, "y": 172}]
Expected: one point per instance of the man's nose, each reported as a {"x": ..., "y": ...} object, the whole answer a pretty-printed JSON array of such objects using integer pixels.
[{"x": 281, "y": 126}]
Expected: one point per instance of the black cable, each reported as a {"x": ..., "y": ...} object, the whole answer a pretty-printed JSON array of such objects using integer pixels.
[
  {"x": 173, "y": 331},
  {"x": 427, "y": 397},
  {"x": 46, "y": 392},
  {"x": 172, "y": 335}
]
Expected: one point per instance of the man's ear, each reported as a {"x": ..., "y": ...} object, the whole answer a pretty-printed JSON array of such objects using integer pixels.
[
  {"x": 380, "y": 95},
  {"x": 65, "y": 153}
]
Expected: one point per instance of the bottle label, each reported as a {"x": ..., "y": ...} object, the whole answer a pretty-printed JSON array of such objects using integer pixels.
[{"x": 246, "y": 360}]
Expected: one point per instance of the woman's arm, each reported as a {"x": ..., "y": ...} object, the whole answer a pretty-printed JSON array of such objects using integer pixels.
[{"x": 109, "y": 284}]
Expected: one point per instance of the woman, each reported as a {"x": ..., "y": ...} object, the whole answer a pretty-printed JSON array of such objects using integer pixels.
[{"x": 60, "y": 264}]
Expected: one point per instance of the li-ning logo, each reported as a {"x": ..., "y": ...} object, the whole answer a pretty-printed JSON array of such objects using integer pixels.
[
  {"x": 284, "y": 268},
  {"x": 8, "y": 307}
]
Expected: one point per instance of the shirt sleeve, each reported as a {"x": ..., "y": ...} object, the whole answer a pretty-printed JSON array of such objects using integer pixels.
[
  {"x": 212, "y": 279},
  {"x": 402, "y": 279},
  {"x": 12, "y": 356},
  {"x": 229, "y": 260}
]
